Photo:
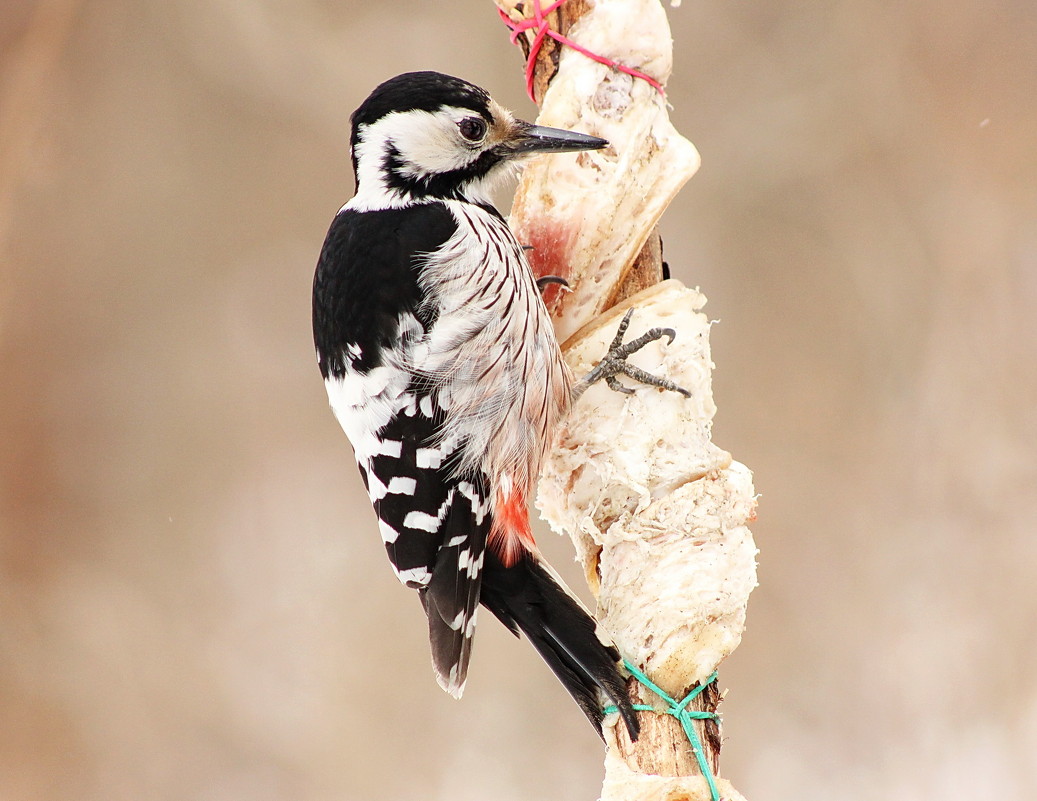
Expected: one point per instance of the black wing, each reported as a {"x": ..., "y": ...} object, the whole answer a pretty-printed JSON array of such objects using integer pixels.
[{"x": 367, "y": 304}]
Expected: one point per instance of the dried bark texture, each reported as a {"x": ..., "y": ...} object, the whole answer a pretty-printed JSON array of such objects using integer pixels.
[
  {"x": 647, "y": 270},
  {"x": 588, "y": 215},
  {"x": 658, "y": 515},
  {"x": 656, "y": 511}
]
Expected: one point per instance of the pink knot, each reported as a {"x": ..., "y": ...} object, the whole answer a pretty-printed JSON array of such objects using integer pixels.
[{"x": 539, "y": 22}]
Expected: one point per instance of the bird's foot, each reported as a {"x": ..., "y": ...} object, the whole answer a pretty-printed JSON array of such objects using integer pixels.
[{"x": 615, "y": 363}]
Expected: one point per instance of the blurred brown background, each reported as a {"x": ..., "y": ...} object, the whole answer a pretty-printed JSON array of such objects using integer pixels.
[{"x": 194, "y": 603}]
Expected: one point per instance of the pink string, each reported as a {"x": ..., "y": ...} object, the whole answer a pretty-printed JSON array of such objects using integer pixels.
[{"x": 539, "y": 21}]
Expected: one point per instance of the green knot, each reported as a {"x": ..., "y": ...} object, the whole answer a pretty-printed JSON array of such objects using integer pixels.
[{"x": 679, "y": 710}]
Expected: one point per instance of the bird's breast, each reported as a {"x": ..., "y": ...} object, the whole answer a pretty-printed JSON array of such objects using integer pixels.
[{"x": 492, "y": 356}]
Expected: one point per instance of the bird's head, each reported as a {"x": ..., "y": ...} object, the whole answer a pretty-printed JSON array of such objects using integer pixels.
[{"x": 426, "y": 135}]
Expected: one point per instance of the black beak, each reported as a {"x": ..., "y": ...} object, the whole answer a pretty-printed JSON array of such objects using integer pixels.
[{"x": 538, "y": 139}]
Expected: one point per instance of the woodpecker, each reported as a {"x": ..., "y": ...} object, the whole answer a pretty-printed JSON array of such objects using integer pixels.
[{"x": 442, "y": 366}]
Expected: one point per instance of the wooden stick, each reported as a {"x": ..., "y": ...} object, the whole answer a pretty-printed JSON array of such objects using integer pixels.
[{"x": 656, "y": 511}]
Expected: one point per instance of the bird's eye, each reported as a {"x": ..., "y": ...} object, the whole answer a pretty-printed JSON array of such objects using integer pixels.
[{"x": 472, "y": 128}]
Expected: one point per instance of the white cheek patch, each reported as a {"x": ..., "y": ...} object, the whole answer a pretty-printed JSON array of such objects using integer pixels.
[
  {"x": 428, "y": 143},
  {"x": 424, "y": 144}
]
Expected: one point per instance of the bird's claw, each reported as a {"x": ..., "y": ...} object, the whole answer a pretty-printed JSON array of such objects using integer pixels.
[
  {"x": 613, "y": 384},
  {"x": 615, "y": 362},
  {"x": 547, "y": 280}
]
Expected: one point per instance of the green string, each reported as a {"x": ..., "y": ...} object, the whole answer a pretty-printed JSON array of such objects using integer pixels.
[{"x": 679, "y": 710}]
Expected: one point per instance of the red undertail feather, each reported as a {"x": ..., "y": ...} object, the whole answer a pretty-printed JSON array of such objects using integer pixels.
[{"x": 510, "y": 535}]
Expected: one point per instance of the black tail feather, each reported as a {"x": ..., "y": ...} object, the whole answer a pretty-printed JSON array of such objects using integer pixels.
[
  {"x": 452, "y": 594},
  {"x": 527, "y": 597}
]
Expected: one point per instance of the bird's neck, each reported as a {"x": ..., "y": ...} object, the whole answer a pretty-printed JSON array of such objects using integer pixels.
[{"x": 374, "y": 192}]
